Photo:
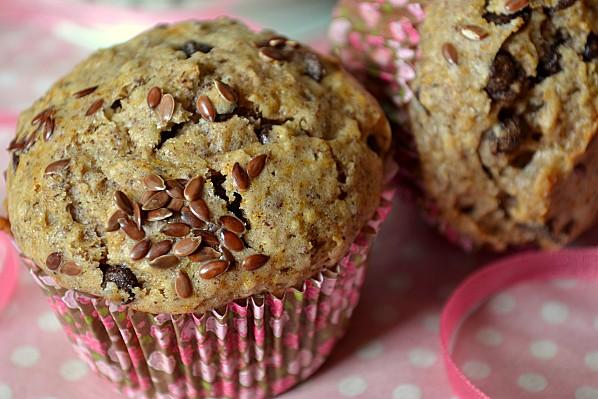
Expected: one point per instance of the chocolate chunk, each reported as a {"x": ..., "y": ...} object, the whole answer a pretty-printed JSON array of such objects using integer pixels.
[
  {"x": 562, "y": 4},
  {"x": 550, "y": 59},
  {"x": 548, "y": 65},
  {"x": 122, "y": 277},
  {"x": 502, "y": 19},
  {"x": 191, "y": 47},
  {"x": 509, "y": 135},
  {"x": 504, "y": 72},
  {"x": 590, "y": 52}
]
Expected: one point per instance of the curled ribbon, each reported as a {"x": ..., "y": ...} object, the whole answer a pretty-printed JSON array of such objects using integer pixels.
[{"x": 579, "y": 264}]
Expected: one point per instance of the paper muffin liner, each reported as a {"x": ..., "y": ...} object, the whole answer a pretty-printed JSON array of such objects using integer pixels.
[{"x": 253, "y": 348}]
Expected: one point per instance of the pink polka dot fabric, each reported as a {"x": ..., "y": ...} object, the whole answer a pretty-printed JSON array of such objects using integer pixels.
[{"x": 534, "y": 340}]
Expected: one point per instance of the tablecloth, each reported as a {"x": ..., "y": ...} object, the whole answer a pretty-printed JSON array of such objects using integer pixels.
[{"x": 535, "y": 340}]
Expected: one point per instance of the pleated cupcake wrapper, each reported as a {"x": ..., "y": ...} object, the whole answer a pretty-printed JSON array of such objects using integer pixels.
[{"x": 252, "y": 348}]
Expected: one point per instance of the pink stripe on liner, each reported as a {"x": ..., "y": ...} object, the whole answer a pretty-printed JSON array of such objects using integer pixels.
[
  {"x": 9, "y": 271},
  {"x": 571, "y": 263}
]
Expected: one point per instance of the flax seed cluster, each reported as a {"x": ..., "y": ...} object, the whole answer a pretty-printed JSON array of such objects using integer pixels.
[{"x": 193, "y": 165}]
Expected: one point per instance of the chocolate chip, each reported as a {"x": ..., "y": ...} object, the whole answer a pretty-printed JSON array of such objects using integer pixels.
[
  {"x": 502, "y": 19},
  {"x": 122, "y": 277},
  {"x": 550, "y": 59},
  {"x": 509, "y": 134},
  {"x": 590, "y": 52},
  {"x": 549, "y": 64},
  {"x": 313, "y": 67},
  {"x": 191, "y": 47},
  {"x": 504, "y": 72},
  {"x": 562, "y": 4}
]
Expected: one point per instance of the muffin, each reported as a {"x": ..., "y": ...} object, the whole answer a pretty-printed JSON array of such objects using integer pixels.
[
  {"x": 198, "y": 203},
  {"x": 502, "y": 114},
  {"x": 505, "y": 119}
]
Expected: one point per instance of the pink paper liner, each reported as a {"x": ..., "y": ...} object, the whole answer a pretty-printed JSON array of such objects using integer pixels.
[{"x": 253, "y": 348}]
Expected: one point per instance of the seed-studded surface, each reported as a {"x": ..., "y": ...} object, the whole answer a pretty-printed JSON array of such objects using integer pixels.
[
  {"x": 501, "y": 134},
  {"x": 299, "y": 149}
]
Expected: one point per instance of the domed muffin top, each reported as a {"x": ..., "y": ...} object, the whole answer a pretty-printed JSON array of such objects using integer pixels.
[{"x": 195, "y": 164}]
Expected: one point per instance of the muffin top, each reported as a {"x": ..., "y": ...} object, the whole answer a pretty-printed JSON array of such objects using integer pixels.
[{"x": 193, "y": 165}]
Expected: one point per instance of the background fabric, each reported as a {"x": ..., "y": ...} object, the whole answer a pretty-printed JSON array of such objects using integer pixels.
[{"x": 533, "y": 341}]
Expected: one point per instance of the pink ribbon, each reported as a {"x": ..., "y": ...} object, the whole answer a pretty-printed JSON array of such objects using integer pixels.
[{"x": 570, "y": 263}]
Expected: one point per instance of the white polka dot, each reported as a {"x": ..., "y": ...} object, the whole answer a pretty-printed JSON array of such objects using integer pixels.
[
  {"x": 432, "y": 322},
  {"x": 73, "y": 370},
  {"x": 8, "y": 78},
  {"x": 591, "y": 361},
  {"x": 407, "y": 391},
  {"x": 502, "y": 304},
  {"x": 352, "y": 386},
  {"x": 543, "y": 349},
  {"x": 5, "y": 392},
  {"x": 532, "y": 382},
  {"x": 555, "y": 312},
  {"x": 489, "y": 336},
  {"x": 476, "y": 370},
  {"x": 422, "y": 358},
  {"x": 371, "y": 351},
  {"x": 564, "y": 283},
  {"x": 586, "y": 392},
  {"x": 48, "y": 322},
  {"x": 25, "y": 356}
]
